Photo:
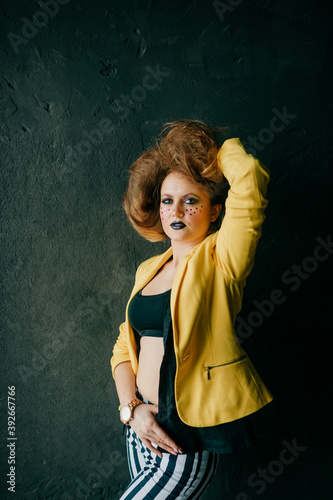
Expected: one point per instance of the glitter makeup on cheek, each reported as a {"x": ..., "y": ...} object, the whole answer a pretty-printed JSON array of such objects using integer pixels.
[
  {"x": 162, "y": 211},
  {"x": 200, "y": 211}
]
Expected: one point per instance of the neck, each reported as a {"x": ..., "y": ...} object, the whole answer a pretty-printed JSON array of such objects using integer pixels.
[{"x": 180, "y": 249}]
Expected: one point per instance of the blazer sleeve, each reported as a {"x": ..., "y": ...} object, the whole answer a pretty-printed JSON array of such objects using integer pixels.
[
  {"x": 240, "y": 230},
  {"x": 120, "y": 349}
]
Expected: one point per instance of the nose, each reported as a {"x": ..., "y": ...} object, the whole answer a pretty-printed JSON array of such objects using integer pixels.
[{"x": 178, "y": 210}]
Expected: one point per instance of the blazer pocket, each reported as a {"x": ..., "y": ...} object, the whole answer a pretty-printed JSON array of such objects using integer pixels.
[{"x": 211, "y": 367}]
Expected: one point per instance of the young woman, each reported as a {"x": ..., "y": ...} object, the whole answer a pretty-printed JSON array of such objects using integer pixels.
[{"x": 185, "y": 385}]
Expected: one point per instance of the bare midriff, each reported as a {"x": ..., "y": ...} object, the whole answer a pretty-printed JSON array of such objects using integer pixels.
[
  {"x": 152, "y": 348},
  {"x": 150, "y": 359}
]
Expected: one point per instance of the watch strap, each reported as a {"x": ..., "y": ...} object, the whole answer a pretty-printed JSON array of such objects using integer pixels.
[{"x": 131, "y": 405}]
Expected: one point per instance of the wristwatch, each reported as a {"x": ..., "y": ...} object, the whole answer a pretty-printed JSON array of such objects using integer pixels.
[{"x": 127, "y": 411}]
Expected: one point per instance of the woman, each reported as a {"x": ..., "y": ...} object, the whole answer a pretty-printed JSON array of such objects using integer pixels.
[{"x": 185, "y": 385}]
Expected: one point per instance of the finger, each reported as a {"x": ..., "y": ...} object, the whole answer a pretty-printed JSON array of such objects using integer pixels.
[
  {"x": 150, "y": 447},
  {"x": 162, "y": 437},
  {"x": 153, "y": 409},
  {"x": 173, "y": 448},
  {"x": 167, "y": 448},
  {"x": 153, "y": 439}
]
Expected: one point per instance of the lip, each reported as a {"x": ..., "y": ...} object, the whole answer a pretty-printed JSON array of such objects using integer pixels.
[{"x": 177, "y": 225}]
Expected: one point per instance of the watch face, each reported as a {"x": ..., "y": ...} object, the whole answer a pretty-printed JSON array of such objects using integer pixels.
[{"x": 125, "y": 413}]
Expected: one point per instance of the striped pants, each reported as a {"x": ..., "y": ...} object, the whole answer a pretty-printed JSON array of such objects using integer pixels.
[{"x": 183, "y": 476}]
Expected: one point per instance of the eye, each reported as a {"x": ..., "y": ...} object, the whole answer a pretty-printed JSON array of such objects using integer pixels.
[
  {"x": 190, "y": 201},
  {"x": 166, "y": 201}
]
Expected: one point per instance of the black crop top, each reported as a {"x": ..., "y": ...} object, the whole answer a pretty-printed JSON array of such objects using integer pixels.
[{"x": 146, "y": 313}]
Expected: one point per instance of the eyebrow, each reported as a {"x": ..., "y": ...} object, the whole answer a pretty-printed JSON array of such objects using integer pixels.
[{"x": 185, "y": 195}]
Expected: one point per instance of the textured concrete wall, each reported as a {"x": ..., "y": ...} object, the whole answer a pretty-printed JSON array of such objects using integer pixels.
[{"x": 85, "y": 86}]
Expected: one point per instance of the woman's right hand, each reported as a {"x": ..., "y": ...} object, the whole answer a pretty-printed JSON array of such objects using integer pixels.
[{"x": 147, "y": 429}]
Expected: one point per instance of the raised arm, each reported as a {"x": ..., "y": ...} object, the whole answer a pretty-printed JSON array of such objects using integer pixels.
[{"x": 240, "y": 231}]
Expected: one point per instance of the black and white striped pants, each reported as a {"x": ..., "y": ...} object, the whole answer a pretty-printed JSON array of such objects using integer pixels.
[{"x": 184, "y": 476}]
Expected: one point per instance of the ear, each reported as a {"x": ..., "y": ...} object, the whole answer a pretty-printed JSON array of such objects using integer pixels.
[{"x": 215, "y": 212}]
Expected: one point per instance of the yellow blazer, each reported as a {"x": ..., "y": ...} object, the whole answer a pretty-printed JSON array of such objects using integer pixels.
[{"x": 215, "y": 380}]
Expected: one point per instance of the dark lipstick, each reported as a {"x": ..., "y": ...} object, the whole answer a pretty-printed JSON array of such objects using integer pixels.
[{"x": 177, "y": 225}]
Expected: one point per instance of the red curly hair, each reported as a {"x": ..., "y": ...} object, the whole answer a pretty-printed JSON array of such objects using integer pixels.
[{"x": 188, "y": 147}]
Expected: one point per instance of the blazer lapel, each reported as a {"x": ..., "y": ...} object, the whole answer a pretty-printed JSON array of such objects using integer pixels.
[{"x": 151, "y": 269}]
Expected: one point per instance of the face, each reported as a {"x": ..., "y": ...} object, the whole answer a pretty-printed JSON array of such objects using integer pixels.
[{"x": 185, "y": 209}]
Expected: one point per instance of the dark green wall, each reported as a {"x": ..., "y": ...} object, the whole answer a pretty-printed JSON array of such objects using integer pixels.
[{"x": 85, "y": 87}]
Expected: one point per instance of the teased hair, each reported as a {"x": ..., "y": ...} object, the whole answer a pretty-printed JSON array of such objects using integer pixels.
[{"x": 188, "y": 147}]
